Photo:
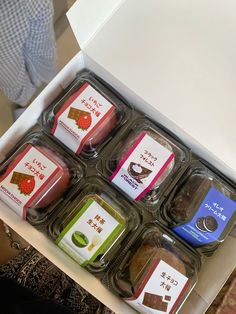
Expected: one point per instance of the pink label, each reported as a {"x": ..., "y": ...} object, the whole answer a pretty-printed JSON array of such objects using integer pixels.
[
  {"x": 161, "y": 290},
  {"x": 144, "y": 163},
  {"x": 80, "y": 116},
  {"x": 25, "y": 179}
]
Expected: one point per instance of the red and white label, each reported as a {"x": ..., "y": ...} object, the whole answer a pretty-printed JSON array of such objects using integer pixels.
[
  {"x": 161, "y": 290},
  {"x": 25, "y": 179},
  {"x": 141, "y": 167},
  {"x": 80, "y": 116}
]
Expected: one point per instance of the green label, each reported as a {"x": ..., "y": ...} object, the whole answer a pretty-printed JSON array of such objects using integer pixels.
[{"x": 90, "y": 233}]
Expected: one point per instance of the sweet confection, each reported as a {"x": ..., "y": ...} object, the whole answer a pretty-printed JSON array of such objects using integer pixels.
[
  {"x": 92, "y": 226},
  {"x": 86, "y": 116},
  {"x": 36, "y": 177},
  {"x": 145, "y": 161},
  {"x": 201, "y": 208},
  {"x": 156, "y": 273}
]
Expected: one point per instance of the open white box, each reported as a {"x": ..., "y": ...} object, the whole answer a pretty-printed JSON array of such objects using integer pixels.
[{"x": 174, "y": 60}]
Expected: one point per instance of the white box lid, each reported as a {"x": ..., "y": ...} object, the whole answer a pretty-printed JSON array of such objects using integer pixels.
[{"x": 178, "y": 56}]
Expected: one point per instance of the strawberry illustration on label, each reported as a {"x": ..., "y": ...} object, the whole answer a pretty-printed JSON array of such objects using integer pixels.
[
  {"x": 84, "y": 121},
  {"x": 25, "y": 182},
  {"x": 82, "y": 118},
  {"x": 26, "y": 186}
]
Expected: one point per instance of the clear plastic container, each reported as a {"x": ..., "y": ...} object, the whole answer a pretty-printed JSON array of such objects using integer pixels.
[
  {"x": 37, "y": 176},
  {"x": 145, "y": 160},
  {"x": 86, "y": 115},
  {"x": 94, "y": 225},
  {"x": 201, "y": 208},
  {"x": 157, "y": 273}
]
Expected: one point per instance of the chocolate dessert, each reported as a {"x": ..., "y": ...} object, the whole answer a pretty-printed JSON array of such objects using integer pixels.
[
  {"x": 129, "y": 143},
  {"x": 185, "y": 202},
  {"x": 143, "y": 260}
]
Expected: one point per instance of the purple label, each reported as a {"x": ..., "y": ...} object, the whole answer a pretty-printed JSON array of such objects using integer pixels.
[{"x": 210, "y": 220}]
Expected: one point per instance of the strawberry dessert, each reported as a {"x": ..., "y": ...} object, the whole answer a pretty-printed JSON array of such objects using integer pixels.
[
  {"x": 85, "y": 120},
  {"x": 37, "y": 177},
  {"x": 101, "y": 133},
  {"x": 86, "y": 117},
  {"x": 58, "y": 184}
]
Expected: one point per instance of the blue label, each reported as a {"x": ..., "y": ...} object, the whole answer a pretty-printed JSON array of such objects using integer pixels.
[{"x": 209, "y": 221}]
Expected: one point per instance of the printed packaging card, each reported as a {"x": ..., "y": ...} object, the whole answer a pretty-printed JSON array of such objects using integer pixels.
[
  {"x": 160, "y": 291},
  {"x": 25, "y": 179},
  {"x": 144, "y": 163},
  {"x": 80, "y": 116},
  {"x": 90, "y": 233},
  {"x": 210, "y": 220}
]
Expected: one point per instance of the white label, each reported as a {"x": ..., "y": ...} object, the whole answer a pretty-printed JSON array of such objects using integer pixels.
[
  {"x": 94, "y": 225},
  {"x": 24, "y": 179},
  {"x": 80, "y": 116},
  {"x": 141, "y": 167},
  {"x": 161, "y": 292}
]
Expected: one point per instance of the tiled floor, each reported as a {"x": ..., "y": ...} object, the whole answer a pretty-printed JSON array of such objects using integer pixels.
[{"x": 67, "y": 47}]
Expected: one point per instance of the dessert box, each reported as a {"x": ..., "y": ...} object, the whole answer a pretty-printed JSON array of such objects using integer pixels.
[
  {"x": 37, "y": 176},
  {"x": 87, "y": 116},
  {"x": 156, "y": 273},
  {"x": 132, "y": 162},
  {"x": 94, "y": 225},
  {"x": 201, "y": 207},
  {"x": 165, "y": 78}
]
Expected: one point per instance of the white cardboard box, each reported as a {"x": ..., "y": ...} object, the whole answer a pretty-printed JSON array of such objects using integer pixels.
[{"x": 174, "y": 60}]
